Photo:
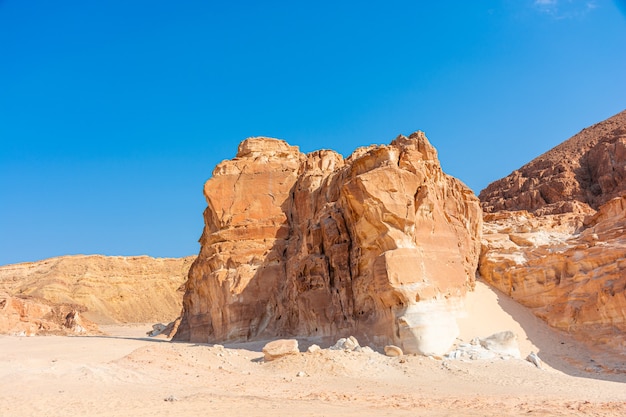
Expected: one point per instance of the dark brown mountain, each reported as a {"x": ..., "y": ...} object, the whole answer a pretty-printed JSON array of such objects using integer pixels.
[{"x": 580, "y": 174}]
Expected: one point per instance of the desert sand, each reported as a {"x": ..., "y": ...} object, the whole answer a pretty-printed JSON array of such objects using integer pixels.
[{"x": 127, "y": 373}]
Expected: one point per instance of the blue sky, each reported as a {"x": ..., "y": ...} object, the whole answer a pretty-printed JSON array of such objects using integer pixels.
[{"x": 114, "y": 113}]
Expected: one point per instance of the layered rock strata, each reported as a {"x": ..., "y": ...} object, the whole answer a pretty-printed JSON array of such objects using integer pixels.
[
  {"x": 106, "y": 289},
  {"x": 564, "y": 255},
  {"x": 382, "y": 245},
  {"x": 570, "y": 270}
]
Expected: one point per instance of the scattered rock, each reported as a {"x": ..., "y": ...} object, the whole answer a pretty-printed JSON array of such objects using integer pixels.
[
  {"x": 170, "y": 399},
  {"x": 157, "y": 329},
  {"x": 350, "y": 344},
  {"x": 534, "y": 359},
  {"x": 391, "y": 350},
  {"x": 504, "y": 343},
  {"x": 470, "y": 352},
  {"x": 313, "y": 348},
  {"x": 301, "y": 374},
  {"x": 163, "y": 329},
  {"x": 279, "y": 348}
]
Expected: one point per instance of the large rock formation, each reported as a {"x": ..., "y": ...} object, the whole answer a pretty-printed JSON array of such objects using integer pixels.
[
  {"x": 105, "y": 289},
  {"x": 382, "y": 245},
  {"x": 566, "y": 261},
  {"x": 580, "y": 174}
]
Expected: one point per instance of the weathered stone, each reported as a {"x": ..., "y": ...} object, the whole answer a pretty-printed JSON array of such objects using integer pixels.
[
  {"x": 534, "y": 359},
  {"x": 313, "y": 348},
  {"x": 279, "y": 348},
  {"x": 573, "y": 276},
  {"x": 382, "y": 245},
  {"x": 349, "y": 344},
  {"x": 391, "y": 350},
  {"x": 504, "y": 343},
  {"x": 31, "y": 316}
]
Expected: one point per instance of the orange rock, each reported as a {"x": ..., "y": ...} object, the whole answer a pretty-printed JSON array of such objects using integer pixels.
[
  {"x": 29, "y": 316},
  {"x": 570, "y": 270},
  {"x": 314, "y": 244},
  {"x": 107, "y": 289}
]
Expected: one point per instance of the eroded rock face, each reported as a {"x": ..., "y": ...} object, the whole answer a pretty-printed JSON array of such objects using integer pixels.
[
  {"x": 105, "y": 289},
  {"x": 29, "y": 316},
  {"x": 382, "y": 245},
  {"x": 570, "y": 270},
  {"x": 564, "y": 254},
  {"x": 580, "y": 174}
]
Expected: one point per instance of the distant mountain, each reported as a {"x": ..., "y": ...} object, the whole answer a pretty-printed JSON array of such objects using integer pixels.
[{"x": 37, "y": 296}]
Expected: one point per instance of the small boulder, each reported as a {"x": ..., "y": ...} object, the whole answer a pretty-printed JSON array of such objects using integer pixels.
[
  {"x": 391, "y": 350},
  {"x": 503, "y": 343},
  {"x": 350, "y": 344},
  {"x": 534, "y": 359},
  {"x": 157, "y": 329},
  {"x": 313, "y": 348},
  {"x": 279, "y": 348}
]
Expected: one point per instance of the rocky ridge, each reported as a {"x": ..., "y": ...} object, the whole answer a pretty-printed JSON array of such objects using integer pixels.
[
  {"x": 579, "y": 175},
  {"x": 36, "y": 297},
  {"x": 382, "y": 245}
]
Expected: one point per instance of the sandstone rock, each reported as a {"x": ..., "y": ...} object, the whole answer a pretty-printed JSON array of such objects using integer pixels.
[
  {"x": 382, "y": 245},
  {"x": 563, "y": 255},
  {"x": 313, "y": 348},
  {"x": 579, "y": 175},
  {"x": 31, "y": 316},
  {"x": 166, "y": 330},
  {"x": 279, "y": 348},
  {"x": 108, "y": 289},
  {"x": 534, "y": 359},
  {"x": 504, "y": 343},
  {"x": 572, "y": 277},
  {"x": 391, "y": 350},
  {"x": 348, "y": 344}
]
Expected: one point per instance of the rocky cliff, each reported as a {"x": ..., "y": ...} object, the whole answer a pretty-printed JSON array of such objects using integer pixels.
[
  {"x": 580, "y": 174},
  {"x": 104, "y": 289},
  {"x": 564, "y": 255},
  {"x": 382, "y": 245}
]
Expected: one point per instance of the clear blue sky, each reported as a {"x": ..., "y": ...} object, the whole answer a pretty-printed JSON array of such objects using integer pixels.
[{"x": 114, "y": 113}]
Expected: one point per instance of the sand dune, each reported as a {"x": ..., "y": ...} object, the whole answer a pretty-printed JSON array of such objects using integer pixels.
[{"x": 126, "y": 373}]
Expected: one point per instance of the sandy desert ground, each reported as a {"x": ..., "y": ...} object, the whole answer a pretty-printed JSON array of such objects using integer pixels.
[{"x": 125, "y": 373}]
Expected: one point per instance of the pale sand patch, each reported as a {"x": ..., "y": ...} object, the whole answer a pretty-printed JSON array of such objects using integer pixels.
[{"x": 128, "y": 374}]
